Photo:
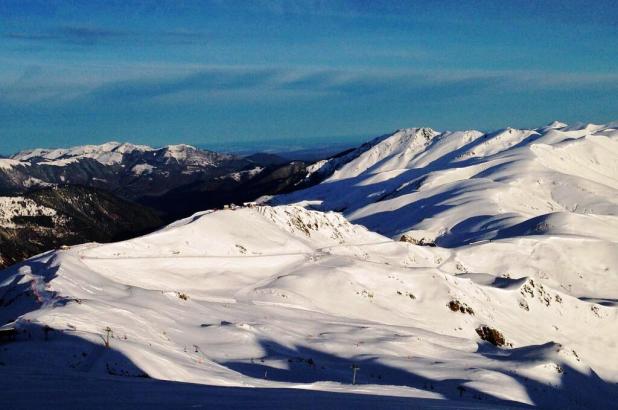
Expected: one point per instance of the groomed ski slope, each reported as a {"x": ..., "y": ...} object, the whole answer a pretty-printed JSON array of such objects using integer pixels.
[{"x": 267, "y": 299}]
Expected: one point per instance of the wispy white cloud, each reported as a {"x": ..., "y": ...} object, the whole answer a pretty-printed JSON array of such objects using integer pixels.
[
  {"x": 84, "y": 36},
  {"x": 170, "y": 83}
]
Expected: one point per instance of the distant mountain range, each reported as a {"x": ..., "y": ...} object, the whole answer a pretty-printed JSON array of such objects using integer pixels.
[
  {"x": 129, "y": 171},
  {"x": 175, "y": 180},
  {"x": 163, "y": 184}
]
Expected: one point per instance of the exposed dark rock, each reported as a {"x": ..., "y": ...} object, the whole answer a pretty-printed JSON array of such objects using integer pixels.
[
  {"x": 457, "y": 306},
  {"x": 491, "y": 335},
  {"x": 419, "y": 242}
]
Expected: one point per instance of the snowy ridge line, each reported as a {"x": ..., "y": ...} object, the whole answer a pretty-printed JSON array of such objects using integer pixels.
[
  {"x": 458, "y": 188},
  {"x": 107, "y": 153}
]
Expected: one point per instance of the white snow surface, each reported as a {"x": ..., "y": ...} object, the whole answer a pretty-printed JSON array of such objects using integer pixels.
[
  {"x": 140, "y": 169},
  {"x": 179, "y": 152},
  {"x": 111, "y": 153},
  {"x": 268, "y": 299},
  {"x": 18, "y": 206},
  {"x": 550, "y": 193},
  {"x": 472, "y": 183},
  {"x": 238, "y": 176},
  {"x": 8, "y": 163}
]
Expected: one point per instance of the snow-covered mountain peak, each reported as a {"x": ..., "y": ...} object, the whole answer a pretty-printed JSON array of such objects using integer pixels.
[
  {"x": 556, "y": 125},
  {"x": 179, "y": 152},
  {"x": 585, "y": 126},
  {"x": 411, "y": 136},
  {"x": 127, "y": 147},
  {"x": 259, "y": 230},
  {"x": 107, "y": 153},
  {"x": 180, "y": 148},
  {"x": 411, "y": 133},
  {"x": 390, "y": 152},
  {"x": 462, "y": 187},
  {"x": 114, "y": 153},
  {"x": 326, "y": 226}
]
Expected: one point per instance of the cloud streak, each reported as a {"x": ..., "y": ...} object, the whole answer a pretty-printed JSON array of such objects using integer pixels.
[
  {"x": 279, "y": 83},
  {"x": 90, "y": 36},
  {"x": 77, "y": 35}
]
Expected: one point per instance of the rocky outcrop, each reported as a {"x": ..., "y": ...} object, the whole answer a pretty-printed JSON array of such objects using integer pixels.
[{"x": 491, "y": 335}]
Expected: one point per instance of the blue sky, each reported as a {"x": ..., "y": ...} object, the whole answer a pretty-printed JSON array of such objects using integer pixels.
[{"x": 297, "y": 73}]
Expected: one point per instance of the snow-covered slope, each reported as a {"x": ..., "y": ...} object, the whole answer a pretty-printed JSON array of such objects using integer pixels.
[
  {"x": 550, "y": 192},
  {"x": 469, "y": 186},
  {"x": 284, "y": 297}
]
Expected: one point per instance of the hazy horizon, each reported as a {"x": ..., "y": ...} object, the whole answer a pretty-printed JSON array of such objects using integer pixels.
[
  {"x": 332, "y": 143},
  {"x": 309, "y": 144}
]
